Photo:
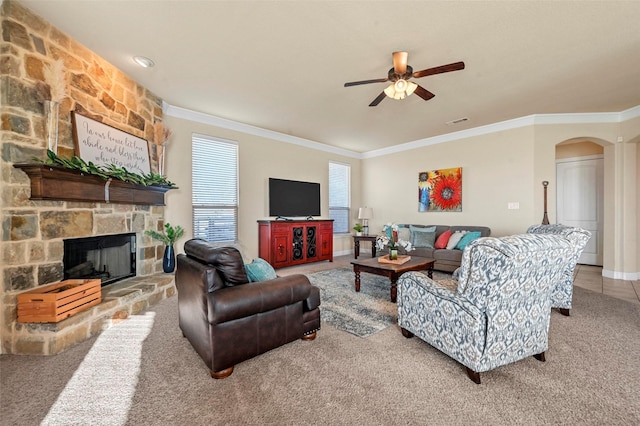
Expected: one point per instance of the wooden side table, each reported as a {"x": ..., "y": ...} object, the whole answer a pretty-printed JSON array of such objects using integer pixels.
[{"x": 356, "y": 244}]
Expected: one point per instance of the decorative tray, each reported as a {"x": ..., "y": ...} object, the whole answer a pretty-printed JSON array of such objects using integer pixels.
[{"x": 401, "y": 259}]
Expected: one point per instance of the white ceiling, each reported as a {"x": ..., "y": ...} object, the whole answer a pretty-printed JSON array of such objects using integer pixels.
[{"x": 281, "y": 65}]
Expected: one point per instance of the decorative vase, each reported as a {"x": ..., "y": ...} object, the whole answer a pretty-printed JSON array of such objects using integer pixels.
[
  {"x": 169, "y": 259},
  {"x": 393, "y": 254},
  {"x": 51, "y": 122}
]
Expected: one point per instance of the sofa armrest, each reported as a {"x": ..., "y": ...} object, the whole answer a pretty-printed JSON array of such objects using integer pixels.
[{"x": 242, "y": 301}]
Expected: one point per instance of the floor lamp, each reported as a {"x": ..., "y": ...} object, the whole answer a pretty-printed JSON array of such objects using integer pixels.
[
  {"x": 365, "y": 213},
  {"x": 545, "y": 218}
]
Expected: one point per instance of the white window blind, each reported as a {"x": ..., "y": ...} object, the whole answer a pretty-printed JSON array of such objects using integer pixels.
[
  {"x": 214, "y": 166},
  {"x": 339, "y": 195}
]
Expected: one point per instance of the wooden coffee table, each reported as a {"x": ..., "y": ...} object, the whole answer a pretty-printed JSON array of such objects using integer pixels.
[{"x": 392, "y": 271}]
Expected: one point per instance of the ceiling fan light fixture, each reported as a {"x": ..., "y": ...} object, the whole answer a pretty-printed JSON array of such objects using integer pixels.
[{"x": 400, "y": 91}]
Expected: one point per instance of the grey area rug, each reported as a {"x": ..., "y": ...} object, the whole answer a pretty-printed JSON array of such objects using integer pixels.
[{"x": 361, "y": 313}]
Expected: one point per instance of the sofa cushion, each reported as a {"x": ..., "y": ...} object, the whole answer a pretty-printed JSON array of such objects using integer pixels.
[
  {"x": 404, "y": 233},
  {"x": 422, "y": 237},
  {"x": 260, "y": 270},
  {"x": 449, "y": 256},
  {"x": 467, "y": 238},
  {"x": 455, "y": 239},
  {"x": 442, "y": 240},
  {"x": 422, "y": 252}
]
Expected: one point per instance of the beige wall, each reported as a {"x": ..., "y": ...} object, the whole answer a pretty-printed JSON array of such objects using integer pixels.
[
  {"x": 260, "y": 158},
  {"x": 573, "y": 149},
  {"x": 496, "y": 170}
]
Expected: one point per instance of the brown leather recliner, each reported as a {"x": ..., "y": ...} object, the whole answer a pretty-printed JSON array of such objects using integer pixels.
[{"x": 228, "y": 320}]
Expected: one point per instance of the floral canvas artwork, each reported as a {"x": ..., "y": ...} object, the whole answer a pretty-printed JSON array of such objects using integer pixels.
[{"x": 440, "y": 190}]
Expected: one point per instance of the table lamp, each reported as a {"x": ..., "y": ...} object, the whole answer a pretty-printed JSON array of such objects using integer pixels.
[{"x": 365, "y": 213}]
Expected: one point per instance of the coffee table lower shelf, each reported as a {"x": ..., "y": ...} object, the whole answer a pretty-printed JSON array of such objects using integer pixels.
[{"x": 391, "y": 271}]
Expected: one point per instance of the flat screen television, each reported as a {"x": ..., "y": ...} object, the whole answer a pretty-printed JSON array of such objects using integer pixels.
[{"x": 292, "y": 198}]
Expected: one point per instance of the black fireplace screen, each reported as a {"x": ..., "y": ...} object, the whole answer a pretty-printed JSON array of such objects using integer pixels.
[{"x": 108, "y": 257}]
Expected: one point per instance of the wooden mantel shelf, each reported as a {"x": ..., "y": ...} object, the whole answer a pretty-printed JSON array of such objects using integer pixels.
[{"x": 57, "y": 183}]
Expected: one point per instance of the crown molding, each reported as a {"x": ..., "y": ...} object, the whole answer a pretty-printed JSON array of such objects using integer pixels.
[
  {"x": 529, "y": 120},
  {"x": 224, "y": 123}
]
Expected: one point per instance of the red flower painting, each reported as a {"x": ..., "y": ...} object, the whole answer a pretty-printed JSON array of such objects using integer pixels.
[{"x": 440, "y": 190}]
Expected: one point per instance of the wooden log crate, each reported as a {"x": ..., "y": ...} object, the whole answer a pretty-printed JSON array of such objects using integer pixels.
[{"x": 55, "y": 302}]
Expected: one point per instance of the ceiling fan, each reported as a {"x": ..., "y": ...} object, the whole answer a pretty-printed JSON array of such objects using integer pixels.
[{"x": 399, "y": 76}]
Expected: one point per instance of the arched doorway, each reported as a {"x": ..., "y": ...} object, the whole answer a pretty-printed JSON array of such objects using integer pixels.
[{"x": 580, "y": 192}]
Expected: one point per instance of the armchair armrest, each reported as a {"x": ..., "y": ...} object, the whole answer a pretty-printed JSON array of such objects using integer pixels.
[
  {"x": 241, "y": 301},
  {"x": 418, "y": 281}
]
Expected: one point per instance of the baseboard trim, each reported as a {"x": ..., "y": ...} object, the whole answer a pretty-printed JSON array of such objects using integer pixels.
[{"x": 617, "y": 275}]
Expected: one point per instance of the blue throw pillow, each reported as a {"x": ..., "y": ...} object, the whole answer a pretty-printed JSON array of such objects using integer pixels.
[
  {"x": 423, "y": 237},
  {"x": 260, "y": 270},
  {"x": 467, "y": 238}
]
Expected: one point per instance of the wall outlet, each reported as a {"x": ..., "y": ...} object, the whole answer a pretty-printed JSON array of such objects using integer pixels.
[{"x": 514, "y": 205}]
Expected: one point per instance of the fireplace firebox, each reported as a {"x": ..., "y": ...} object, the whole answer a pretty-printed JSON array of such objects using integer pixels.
[{"x": 110, "y": 258}]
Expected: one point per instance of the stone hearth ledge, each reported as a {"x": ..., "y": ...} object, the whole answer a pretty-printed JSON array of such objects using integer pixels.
[{"x": 119, "y": 301}]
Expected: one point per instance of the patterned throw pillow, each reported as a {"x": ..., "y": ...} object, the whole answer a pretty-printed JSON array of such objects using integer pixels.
[
  {"x": 260, "y": 270},
  {"x": 443, "y": 239},
  {"x": 455, "y": 239},
  {"x": 422, "y": 237},
  {"x": 468, "y": 237}
]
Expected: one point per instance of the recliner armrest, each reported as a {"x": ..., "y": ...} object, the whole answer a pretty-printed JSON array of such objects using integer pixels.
[
  {"x": 241, "y": 301},
  {"x": 313, "y": 301}
]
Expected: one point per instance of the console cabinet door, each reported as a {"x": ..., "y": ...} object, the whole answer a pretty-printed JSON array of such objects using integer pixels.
[
  {"x": 325, "y": 241},
  {"x": 281, "y": 250},
  {"x": 311, "y": 243}
]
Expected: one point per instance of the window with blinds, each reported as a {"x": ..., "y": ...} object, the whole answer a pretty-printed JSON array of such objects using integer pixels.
[
  {"x": 214, "y": 165},
  {"x": 339, "y": 196}
]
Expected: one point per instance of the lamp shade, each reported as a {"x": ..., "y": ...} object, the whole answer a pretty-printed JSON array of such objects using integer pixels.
[
  {"x": 400, "y": 89},
  {"x": 365, "y": 213}
]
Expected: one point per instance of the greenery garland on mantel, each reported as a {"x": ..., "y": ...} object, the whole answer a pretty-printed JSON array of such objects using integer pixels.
[{"x": 110, "y": 171}]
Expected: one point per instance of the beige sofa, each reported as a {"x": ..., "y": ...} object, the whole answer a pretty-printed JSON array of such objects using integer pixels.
[{"x": 446, "y": 260}]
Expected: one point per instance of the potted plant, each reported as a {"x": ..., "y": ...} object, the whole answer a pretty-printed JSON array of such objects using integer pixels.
[
  {"x": 358, "y": 228},
  {"x": 169, "y": 236}
]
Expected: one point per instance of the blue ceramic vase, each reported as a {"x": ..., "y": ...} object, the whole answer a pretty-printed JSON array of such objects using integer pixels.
[{"x": 169, "y": 259}]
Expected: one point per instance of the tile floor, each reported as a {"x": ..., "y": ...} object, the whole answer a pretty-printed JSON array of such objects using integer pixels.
[
  {"x": 590, "y": 277},
  {"x": 586, "y": 276}
]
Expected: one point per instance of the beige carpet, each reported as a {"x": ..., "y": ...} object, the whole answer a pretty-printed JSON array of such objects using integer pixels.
[{"x": 591, "y": 377}]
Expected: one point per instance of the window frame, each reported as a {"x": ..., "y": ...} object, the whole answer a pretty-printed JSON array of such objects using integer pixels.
[
  {"x": 198, "y": 208},
  {"x": 347, "y": 208}
]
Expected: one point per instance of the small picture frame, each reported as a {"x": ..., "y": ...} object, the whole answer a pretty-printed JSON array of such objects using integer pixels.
[{"x": 105, "y": 145}]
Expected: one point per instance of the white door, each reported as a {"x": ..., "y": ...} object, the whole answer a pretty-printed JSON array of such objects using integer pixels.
[{"x": 580, "y": 193}]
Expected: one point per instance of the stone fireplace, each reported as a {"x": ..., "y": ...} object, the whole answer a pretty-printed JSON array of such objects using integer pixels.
[{"x": 35, "y": 232}]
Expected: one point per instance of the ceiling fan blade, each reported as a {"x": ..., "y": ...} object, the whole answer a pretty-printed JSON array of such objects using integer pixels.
[
  {"x": 357, "y": 83},
  {"x": 400, "y": 62},
  {"x": 423, "y": 93},
  {"x": 456, "y": 66},
  {"x": 377, "y": 100}
]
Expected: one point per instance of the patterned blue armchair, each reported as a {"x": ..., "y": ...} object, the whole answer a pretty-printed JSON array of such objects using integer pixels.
[
  {"x": 563, "y": 292},
  {"x": 499, "y": 311}
]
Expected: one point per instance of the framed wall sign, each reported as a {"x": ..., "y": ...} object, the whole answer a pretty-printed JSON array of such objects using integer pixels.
[{"x": 104, "y": 145}]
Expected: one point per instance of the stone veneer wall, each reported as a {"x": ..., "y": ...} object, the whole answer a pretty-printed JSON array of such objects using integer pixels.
[{"x": 31, "y": 247}]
